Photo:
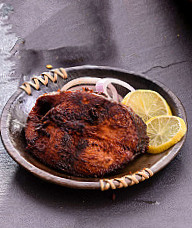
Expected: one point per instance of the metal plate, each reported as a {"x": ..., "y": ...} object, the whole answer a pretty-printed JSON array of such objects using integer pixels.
[{"x": 16, "y": 110}]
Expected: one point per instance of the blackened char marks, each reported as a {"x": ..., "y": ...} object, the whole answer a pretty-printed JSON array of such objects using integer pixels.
[{"x": 84, "y": 134}]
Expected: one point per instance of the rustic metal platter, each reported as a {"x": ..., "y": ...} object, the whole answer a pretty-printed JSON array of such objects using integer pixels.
[{"x": 15, "y": 114}]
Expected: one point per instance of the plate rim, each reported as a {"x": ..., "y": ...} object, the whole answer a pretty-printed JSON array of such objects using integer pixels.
[{"x": 75, "y": 183}]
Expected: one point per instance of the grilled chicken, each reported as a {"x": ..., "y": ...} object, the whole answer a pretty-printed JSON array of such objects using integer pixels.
[{"x": 84, "y": 134}]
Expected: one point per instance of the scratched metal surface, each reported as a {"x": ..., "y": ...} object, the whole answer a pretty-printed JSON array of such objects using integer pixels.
[{"x": 153, "y": 37}]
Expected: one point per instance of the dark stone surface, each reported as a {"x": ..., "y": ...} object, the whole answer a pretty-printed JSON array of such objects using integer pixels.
[{"x": 149, "y": 36}]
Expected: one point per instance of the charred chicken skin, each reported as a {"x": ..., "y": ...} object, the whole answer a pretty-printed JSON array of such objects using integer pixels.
[{"x": 84, "y": 134}]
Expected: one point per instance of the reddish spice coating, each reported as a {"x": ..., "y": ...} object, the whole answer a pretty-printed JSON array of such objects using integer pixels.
[{"x": 84, "y": 134}]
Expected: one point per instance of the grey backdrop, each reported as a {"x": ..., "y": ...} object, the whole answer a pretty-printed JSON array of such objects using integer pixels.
[{"x": 147, "y": 36}]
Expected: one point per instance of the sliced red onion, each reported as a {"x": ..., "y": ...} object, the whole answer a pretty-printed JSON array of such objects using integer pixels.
[
  {"x": 102, "y": 84},
  {"x": 89, "y": 81},
  {"x": 80, "y": 81}
]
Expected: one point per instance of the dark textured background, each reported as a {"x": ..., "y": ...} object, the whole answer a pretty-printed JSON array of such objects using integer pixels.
[{"x": 149, "y": 36}]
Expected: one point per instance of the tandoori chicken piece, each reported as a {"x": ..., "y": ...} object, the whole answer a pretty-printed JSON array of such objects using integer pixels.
[{"x": 84, "y": 134}]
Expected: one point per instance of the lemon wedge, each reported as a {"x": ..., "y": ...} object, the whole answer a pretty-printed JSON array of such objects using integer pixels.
[
  {"x": 147, "y": 104},
  {"x": 164, "y": 131}
]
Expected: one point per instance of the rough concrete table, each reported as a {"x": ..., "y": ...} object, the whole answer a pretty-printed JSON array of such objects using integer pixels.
[{"x": 147, "y": 36}]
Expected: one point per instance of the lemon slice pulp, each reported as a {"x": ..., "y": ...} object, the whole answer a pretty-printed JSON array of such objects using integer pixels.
[
  {"x": 164, "y": 131},
  {"x": 147, "y": 104}
]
